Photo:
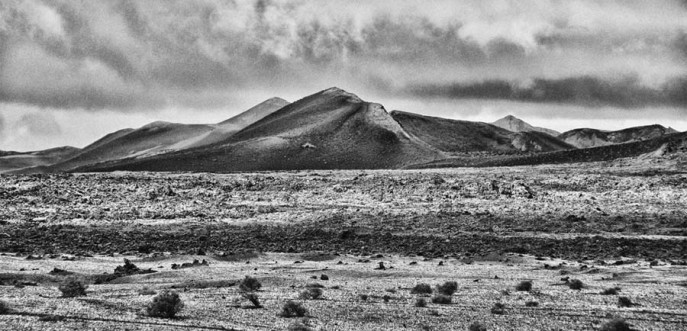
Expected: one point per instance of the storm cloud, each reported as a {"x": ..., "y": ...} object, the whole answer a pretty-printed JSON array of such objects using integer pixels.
[
  {"x": 129, "y": 54},
  {"x": 585, "y": 91}
]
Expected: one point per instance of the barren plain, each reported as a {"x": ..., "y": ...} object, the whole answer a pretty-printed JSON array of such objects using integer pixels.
[{"x": 619, "y": 224}]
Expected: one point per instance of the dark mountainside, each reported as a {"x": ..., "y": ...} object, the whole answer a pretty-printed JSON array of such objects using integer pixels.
[
  {"x": 456, "y": 136},
  {"x": 332, "y": 129},
  {"x": 585, "y": 138},
  {"x": 512, "y": 123}
]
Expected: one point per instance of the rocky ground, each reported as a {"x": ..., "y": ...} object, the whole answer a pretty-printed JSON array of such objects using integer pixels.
[{"x": 614, "y": 218}]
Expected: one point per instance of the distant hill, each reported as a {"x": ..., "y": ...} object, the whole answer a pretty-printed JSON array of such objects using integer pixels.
[
  {"x": 160, "y": 138},
  {"x": 332, "y": 129},
  {"x": 586, "y": 138},
  {"x": 150, "y": 139},
  {"x": 514, "y": 124},
  {"x": 20, "y": 160},
  {"x": 456, "y": 136},
  {"x": 667, "y": 145}
]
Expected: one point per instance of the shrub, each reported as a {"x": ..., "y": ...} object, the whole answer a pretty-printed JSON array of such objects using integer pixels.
[
  {"x": 312, "y": 293},
  {"x": 476, "y": 326},
  {"x": 498, "y": 309},
  {"x": 422, "y": 288},
  {"x": 386, "y": 298},
  {"x": 165, "y": 305},
  {"x": 253, "y": 298},
  {"x": 4, "y": 308},
  {"x": 531, "y": 304},
  {"x": 525, "y": 285},
  {"x": 421, "y": 302},
  {"x": 616, "y": 325},
  {"x": 434, "y": 312},
  {"x": 324, "y": 277},
  {"x": 610, "y": 291},
  {"x": 364, "y": 297},
  {"x": 249, "y": 284},
  {"x": 72, "y": 287},
  {"x": 293, "y": 309},
  {"x": 447, "y": 288},
  {"x": 576, "y": 284},
  {"x": 441, "y": 299},
  {"x": 625, "y": 302}
]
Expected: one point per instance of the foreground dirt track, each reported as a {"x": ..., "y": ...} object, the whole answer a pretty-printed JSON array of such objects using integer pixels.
[{"x": 604, "y": 224}]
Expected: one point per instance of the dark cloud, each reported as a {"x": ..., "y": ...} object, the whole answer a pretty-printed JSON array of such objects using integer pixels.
[
  {"x": 137, "y": 54},
  {"x": 586, "y": 91}
]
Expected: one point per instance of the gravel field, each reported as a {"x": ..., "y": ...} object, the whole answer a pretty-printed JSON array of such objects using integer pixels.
[{"x": 606, "y": 224}]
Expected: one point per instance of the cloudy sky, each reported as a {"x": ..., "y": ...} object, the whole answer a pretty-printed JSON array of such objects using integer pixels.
[{"x": 74, "y": 70}]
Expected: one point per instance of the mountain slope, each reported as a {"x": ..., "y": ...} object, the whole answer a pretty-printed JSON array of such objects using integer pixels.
[
  {"x": 225, "y": 129},
  {"x": 456, "y": 136},
  {"x": 332, "y": 129},
  {"x": 514, "y": 124},
  {"x": 585, "y": 138},
  {"x": 18, "y": 160},
  {"x": 151, "y": 139}
]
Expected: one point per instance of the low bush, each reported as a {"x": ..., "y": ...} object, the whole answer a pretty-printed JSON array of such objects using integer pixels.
[
  {"x": 386, "y": 298},
  {"x": 531, "y": 304},
  {"x": 421, "y": 302},
  {"x": 610, "y": 291},
  {"x": 576, "y": 284},
  {"x": 4, "y": 308},
  {"x": 625, "y": 302},
  {"x": 498, "y": 309},
  {"x": 476, "y": 326},
  {"x": 72, "y": 287},
  {"x": 293, "y": 309},
  {"x": 364, "y": 297},
  {"x": 441, "y": 299},
  {"x": 249, "y": 284},
  {"x": 616, "y": 325},
  {"x": 312, "y": 293},
  {"x": 165, "y": 305},
  {"x": 422, "y": 288},
  {"x": 447, "y": 288},
  {"x": 525, "y": 285}
]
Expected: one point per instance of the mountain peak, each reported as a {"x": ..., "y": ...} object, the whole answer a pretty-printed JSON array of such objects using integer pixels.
[
  {"x": 514, "y": 124},
  {"x": 335, "y": 91},
  {"x": 158, "y": 124}
]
